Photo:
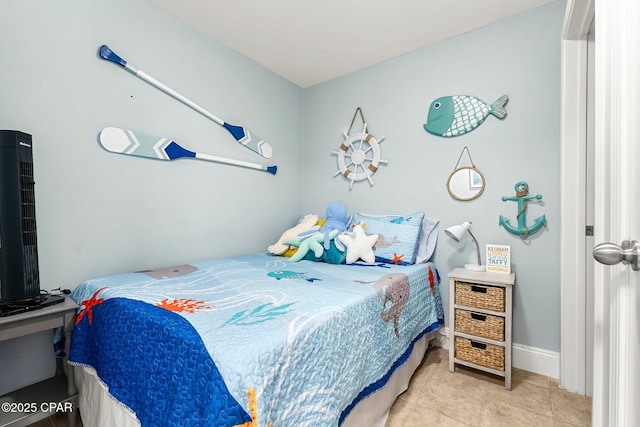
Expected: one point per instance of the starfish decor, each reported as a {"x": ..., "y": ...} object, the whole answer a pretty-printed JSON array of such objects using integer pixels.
[
  {"x": 88, "y": 305},
  {"x": 359, "y": 245},
  {"x": 397, "y": 259}
]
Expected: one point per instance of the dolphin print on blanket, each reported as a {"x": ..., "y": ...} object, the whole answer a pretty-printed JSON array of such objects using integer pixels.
[
  {"x": 397, "y": 290},
  {"x": 458, "y": 114}
]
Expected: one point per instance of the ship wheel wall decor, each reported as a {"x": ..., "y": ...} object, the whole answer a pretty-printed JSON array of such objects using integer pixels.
[{"x": 359, "y": 154}]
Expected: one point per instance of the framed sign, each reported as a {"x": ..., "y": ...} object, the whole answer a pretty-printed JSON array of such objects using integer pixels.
[{"x": 498, "y": 258}]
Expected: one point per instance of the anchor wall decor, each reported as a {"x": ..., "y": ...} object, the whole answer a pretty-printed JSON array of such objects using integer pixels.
[{"x": 522, "y": 197}]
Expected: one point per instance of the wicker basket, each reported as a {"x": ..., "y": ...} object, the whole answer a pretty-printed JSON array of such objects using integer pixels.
[
  {"x": 490, "y": 356},
  {"x": 480, "y": 296},
  {"x": 480, "y": 325}
]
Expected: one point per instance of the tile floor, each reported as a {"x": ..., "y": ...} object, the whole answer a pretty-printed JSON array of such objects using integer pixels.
[
  {"x": 468, "y": 397},
  {"x": 58, "y": 421}
]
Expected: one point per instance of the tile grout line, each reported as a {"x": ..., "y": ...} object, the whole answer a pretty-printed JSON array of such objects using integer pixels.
[
  {"x": 553, "y": 409},
  {"x": 484, "y": 403}
]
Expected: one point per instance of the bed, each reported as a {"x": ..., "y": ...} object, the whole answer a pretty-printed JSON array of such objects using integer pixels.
[{"x": 248, "y": 341}]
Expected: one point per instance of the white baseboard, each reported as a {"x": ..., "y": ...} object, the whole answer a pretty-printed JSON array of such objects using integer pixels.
[
  {"x": 532, "y": 359},
  {"x": 537, "y": 360},
  {"x": 442, "y": 338}
]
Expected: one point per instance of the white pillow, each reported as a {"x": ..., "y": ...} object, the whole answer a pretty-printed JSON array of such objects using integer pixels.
[{"x": 428, "y": 239}]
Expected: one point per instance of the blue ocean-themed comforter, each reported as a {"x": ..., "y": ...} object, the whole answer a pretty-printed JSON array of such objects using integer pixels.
[{"x": 253, "y": 340}]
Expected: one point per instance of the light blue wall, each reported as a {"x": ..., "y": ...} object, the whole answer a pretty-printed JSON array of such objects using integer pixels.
[
  {"x": 520, "y": 57},
  {"x": 99, "y": 212}
]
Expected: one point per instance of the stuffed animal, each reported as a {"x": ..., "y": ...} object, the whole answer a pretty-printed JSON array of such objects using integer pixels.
[
  {"x": 336, "y": 220},
  {"x": 311, "y": 243},
  {"x": 359, "y": 245},
  {"x": 305, "y": 224}
]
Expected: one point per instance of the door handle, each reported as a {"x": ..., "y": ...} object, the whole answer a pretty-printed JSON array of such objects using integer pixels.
[{"x": 610, "y": 253}]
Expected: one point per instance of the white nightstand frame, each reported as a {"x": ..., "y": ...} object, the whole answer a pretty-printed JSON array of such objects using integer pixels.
[{"x": 502, "y": 280}]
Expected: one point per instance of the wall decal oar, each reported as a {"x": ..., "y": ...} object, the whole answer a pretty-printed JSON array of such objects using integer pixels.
[
  {"x": 242, "y": 135},
  {"x": 124, "y": 141}
]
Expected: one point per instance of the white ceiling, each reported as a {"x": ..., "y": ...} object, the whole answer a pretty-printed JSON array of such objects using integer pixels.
[{"x": 310, "y": 42}]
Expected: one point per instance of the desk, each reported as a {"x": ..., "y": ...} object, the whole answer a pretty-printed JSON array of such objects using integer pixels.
[{"x": 57, "y": 394}]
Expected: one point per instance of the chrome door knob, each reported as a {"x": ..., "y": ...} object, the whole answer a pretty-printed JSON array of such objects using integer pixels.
[{"x": 610, "y": 253}]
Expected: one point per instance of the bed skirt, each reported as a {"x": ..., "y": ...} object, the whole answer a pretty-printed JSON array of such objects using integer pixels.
[{"x": 99, "y": 409}]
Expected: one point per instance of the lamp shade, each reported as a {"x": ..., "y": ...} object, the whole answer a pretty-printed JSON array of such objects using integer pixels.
[{"x": 456, "y": 232}]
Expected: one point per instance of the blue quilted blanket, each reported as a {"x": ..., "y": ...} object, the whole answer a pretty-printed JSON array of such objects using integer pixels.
[{"x": 253, "y": 340}]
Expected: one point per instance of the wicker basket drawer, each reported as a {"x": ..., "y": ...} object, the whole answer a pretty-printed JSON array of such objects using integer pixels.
[
  {"x": 480, "y": 325},
  {"x": 490, "y": 356},
  {"x": 480, "y": 296}
]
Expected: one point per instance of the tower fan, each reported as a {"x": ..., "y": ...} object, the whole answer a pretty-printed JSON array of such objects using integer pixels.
[{"x": 19, "y": 274}]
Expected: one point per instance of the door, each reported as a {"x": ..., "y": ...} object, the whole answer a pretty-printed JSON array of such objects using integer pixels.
[{"x": 616, "y": 373}]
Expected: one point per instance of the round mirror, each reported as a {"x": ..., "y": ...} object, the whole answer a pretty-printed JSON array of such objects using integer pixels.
[{"x": 465, "y": 183}]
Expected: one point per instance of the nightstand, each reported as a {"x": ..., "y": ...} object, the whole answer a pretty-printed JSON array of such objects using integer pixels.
[
  {"x": 56, "y": 394},
  {"x": 480, "y": 321}
]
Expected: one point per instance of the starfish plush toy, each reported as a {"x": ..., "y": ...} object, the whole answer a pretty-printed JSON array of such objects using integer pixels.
[
  {"x": 309, "y": 243},
  {"x": 359, "y": 245}
]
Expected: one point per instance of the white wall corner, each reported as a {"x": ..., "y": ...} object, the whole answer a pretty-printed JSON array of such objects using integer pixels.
[{"x": 532, "y": 359}]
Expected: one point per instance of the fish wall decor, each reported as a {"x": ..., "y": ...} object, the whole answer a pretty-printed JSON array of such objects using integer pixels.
[{"x": 458, "y": 114}]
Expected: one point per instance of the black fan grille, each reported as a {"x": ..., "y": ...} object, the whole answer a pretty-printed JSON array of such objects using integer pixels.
[{"x": 29, "y": 239}]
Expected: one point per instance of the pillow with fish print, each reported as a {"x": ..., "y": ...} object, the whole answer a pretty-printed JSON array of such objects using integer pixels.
[{"x": 399, "y": 235}]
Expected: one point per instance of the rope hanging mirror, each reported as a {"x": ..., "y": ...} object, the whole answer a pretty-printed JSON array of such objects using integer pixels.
[
  {"x": 465, "y": 182},
  {"x": 359, "y": 154}
]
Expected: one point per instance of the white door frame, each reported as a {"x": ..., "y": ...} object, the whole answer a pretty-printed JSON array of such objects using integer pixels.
[
  {"x": 573, "y": 358},
  {"x": 616, "y": 379}
]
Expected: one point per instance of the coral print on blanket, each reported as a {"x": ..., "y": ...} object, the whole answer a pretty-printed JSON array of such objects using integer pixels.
[
  {"x": 432, "y": 281},
  {"x": 183, "y": 304},
  {"x": 260, "y": 314},
  {"x": 253, "y": 408}
]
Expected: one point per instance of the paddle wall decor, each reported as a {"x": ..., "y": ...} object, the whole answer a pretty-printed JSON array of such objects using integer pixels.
[
  {"x": 239, "y": 133},
  {"x": 124, "y": 141}
]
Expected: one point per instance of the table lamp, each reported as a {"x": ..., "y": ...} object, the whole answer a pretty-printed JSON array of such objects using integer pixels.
[{"x": 456, "y": 232}]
